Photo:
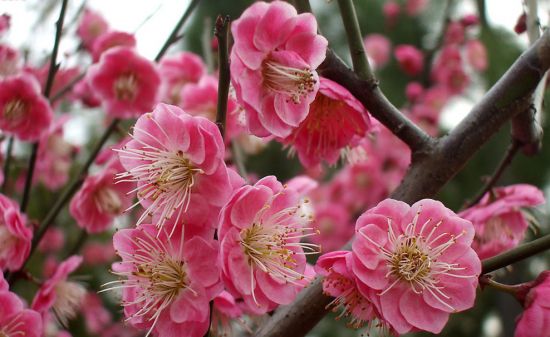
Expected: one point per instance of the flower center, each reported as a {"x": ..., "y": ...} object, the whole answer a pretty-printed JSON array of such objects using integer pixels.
[
  {"x": 495, "y": 229},
  {"x": 409, "y": 262},
  {"x": 108, "y": 201},
  {"x": 165, "y": 177},
  {"x": 271, "y": 244},
  {"x": 292, "y": 82},
  {"x": 15, "y": 111},
  {"x": 349, "y": 301},
  {"x": 69, "y": 296},
  {"x": 126, "y": 87}
]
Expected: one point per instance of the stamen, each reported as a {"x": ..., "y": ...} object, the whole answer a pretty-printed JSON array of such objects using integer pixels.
[
  {"x": 125, "y": 87},
  {"x": 293, "y": 82}
]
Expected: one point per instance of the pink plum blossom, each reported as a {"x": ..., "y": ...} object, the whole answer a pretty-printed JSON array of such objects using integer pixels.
[
  {"x": 63, "y": 77},
  {"x": 24, "y": 112},
  {"x": 334, "y": 226},
  {"x": 178, "y": 70},
  {"x": 9, "y": 59},
  {"x": 15, "y": 320},
  {"x": 498, "y": 219},
  {"x": 454, "y": 34},
  {"x": 15, "y": 236},
  {"x": 127, "y": 83},
  {"x": 200, "y": 99},
  {"x": 58, "y": 293},
  {"x": 469, "y": 20},
  {"x": 177, "y": 161},
  {"x": 535, "y": 319},
  {"x": 378, "y": 48},
  {"x": 167, "y": 280},
  {"x": 335, "y": 120},
  {"x": 52, "y": 241},
  {"x": 339, "y": 282},
  {"x": 273, "y": 64},
  {"x": 100, "y": 200},
  {"x": 55, "y": 156},
  {"x": 4, "y": 23},
  {"x": 410, "y": 59},
  {"x": 414, "y": 91},
  {"x": 95, "y": 253},
  {"x": 96, "y": 316},
  {"x": 225, "y": 310},
  {"x": 391, "y": 10},
  {"x": 415, "y": 7},
  {"x": 476, "y": 54},
  {"x": 263, "y": 261},
  {"x": 84, "y": 93},
  {"x": 419, "y": 262},
  {"x": 90, "y": 27},
  {"x": 110, "y": 40}
]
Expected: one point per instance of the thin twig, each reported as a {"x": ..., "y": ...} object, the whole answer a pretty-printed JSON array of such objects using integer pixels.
[
  {"x": 502, "y": 166},
  {"x": 173, "y": 37},
  {"x": 239, "y": 159},
  {"x": 355, "y": 41},
  {"x": 221, "y": 32},
  {"x": 7, "y": 164},
  {"x": 517, "y": 254},
  {"x": 61, "y": 92},
  {"x": 47, "y": 90}
]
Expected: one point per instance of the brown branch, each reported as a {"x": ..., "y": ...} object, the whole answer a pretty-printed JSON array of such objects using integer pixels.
[
  {"x": 221, "y": 32},
  {"x": 432, "y": 168}
]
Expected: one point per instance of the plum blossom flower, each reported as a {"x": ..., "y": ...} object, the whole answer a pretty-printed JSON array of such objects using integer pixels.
[
  {"x": 15, "y": 320},
  {"x": 410, "y": 59},
  {"x": 535, "y": 319},
  {"x": 419, "y": 262},
  {"x": 263, "y": 260},
  {"x": 61, "y": 295},
  {"x": 476, "y": 54},
  {"x": 273, "y": 66},
  {"x": 178, "y": 70},
  {"x": 332, "y": 221},
  {"x": 4, "y": 23},
  {"x": 100, "y": 200},
  {"x": 175, "y": 158},
  {"x": 24, "y": 112},
  {"x": 126, "y": 82},
  {"x": 378, "y": 48},
  {"x": 9, "y": 59},
  {"x": 498, "y": 219},
  {"x": 55, "y": 156},
  {"x": 15, "y": 237},
  {"x": 90, "y": 27},
  {"x": 335, "y": 120},
  {"x": 167, "y": 280},
  {"x": 339, "y": 282},
  {"x": 225, "y": 310},
  {"x": 112, "y": 39},
  {"x": 96, "y": 316}
]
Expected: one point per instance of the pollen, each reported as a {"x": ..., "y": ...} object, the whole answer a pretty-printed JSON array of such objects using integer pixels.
[{"x": 293, "y": 82}]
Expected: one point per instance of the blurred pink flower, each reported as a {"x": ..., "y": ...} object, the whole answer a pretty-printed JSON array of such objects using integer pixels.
[
  {"x": 335, "y": 120},
  {"x": 100, "y": 200},
  {"x": 410, "y": 59},
  {"x": 469, "y": 20},
  {"x": 454, "y": 33},
  {"x": 476, "y": 54},
  {"x": 127, "y": 83},
  {"x": 175, "y": 158},
  {"x": 415, "y": 7},
  {"x": 55, "y": 156},
  {"x": 414, "y": 91},
  {"x": 9, "y": 59},
  {"x": 334, "y": 226},
  {"x": 378, "y": 48},
  {"x": 419, "y": 262},
  {"x": 4, "y": 23},
  {"x": 24, "y": 112},
  {"x": 498, "y": 219},
  {"x": 391, "y": 10},
  {"x": 91, "y": 26},
  {"x": 167, "y": 280},
  {"x": 96, "y": 316},
  {"x": 263, "y": 260},
  {"x": 15, "y": 236},
  {"x": 178, "y": 70},
  {"x": 535, "y": 319},
  {"x": 64, "y": 297},
  {"x": 84, "y": 93},
  {"x": 273, "y": 64},
  {"x": 110, "y": 40},
  {"x": 52, "y": 241},
  {"x": 225, "y": 310},
  {"x": 95, "y": 253}
]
